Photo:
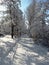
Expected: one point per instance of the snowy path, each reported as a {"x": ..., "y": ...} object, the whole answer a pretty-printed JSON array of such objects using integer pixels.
[
  {"x": 23, "y": 52},
  {"x": 29, "y": 53}
]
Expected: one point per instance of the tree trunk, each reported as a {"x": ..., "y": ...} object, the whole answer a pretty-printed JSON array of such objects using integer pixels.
[{"x": 12, "y": 30}]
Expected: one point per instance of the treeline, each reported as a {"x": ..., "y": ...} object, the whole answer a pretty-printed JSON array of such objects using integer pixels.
[
  {"x": 38, "y": 17},
  {"x": 37, "y": 14},
  {"x": 13, "y": 21}
]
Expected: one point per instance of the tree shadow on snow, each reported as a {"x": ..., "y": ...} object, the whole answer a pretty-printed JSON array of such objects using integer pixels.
[
  {"x": 34, "y": 55},
  {"x": 6, "y": 53}
]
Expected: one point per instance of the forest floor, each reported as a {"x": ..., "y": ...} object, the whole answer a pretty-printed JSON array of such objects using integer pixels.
[{"x": 22, "y": 51}]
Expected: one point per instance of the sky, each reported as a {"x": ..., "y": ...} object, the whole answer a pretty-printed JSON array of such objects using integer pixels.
[{"x": 24, "y": 4}]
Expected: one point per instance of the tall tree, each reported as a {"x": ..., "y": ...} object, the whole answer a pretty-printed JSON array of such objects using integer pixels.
[
  {"x": 14, "y": 16},
  {"x": 36, "y": 18},
  {"x": 14, "y": 13}
]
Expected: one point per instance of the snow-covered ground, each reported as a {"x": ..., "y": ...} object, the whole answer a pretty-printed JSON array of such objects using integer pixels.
[{"x": 22, "y": 51}]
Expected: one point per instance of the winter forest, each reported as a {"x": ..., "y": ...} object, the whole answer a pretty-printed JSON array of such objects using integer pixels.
[{"x": 24, "y": 32}]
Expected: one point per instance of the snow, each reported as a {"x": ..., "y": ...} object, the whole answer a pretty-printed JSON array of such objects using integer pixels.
[{"x": 22, "y": 51}]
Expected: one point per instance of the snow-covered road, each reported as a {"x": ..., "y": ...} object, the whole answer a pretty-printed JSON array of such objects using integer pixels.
[{"x": 22, "y": 51}]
